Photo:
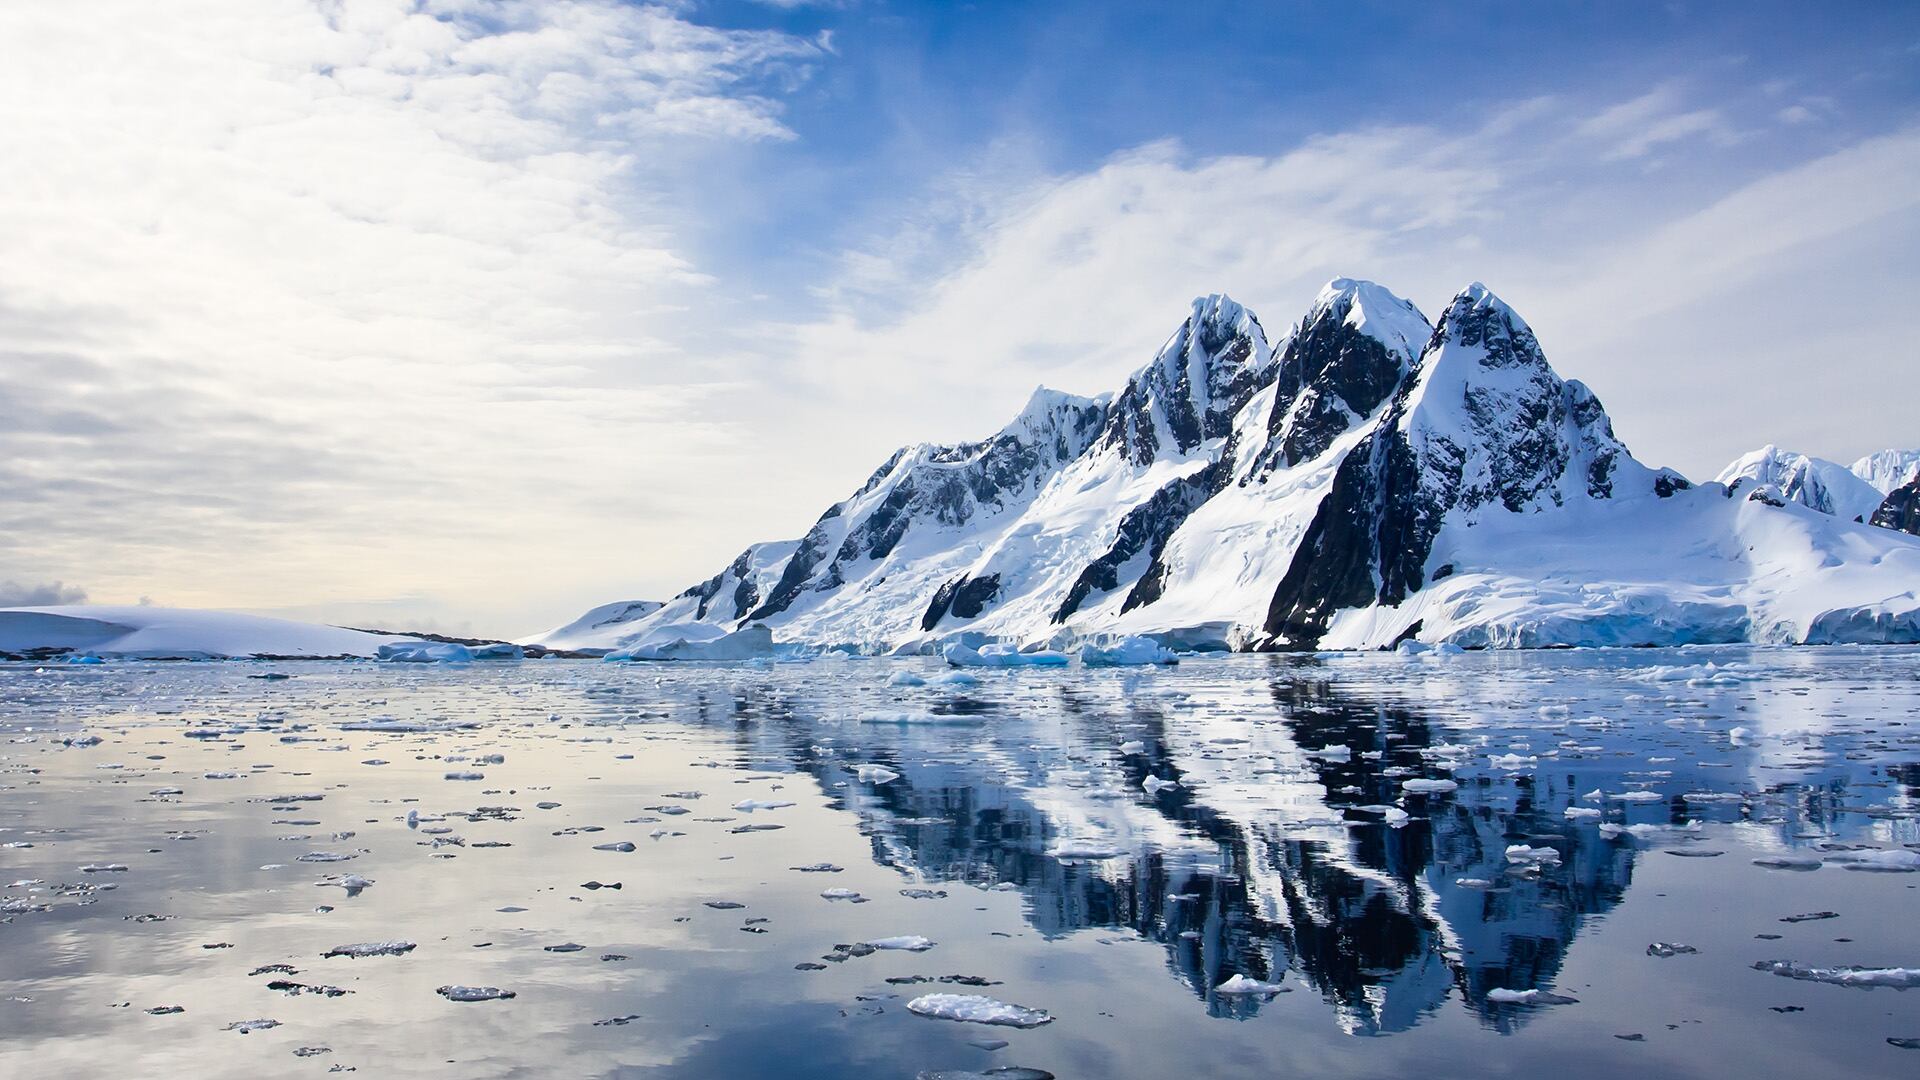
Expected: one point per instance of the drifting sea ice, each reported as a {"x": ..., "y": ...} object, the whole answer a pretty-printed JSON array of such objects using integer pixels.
[
  {"x": 1528, "y": 997},
  {"x": 1864, "y": 978},
  {"x": 1242, "y": 985},
  {"x": 977, "y": 1009}
]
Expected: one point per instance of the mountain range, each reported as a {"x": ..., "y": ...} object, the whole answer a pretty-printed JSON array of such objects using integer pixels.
[{"x": 1371, "y": 477}]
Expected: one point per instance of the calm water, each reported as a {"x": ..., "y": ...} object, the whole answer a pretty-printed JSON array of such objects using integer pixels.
[{"x": 1016, "y": 836}]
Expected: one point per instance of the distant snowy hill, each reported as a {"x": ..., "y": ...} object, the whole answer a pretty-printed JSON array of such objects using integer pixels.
[
  {"x": 1888, "y": 469},
  {"x": 1809, "y": 481},
  {"x": 1367, "y": 478},
  {"x": 173, "y": 633}
]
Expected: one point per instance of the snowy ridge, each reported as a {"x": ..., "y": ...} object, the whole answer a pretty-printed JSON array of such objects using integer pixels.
[{"x": 1368, "y": 478}]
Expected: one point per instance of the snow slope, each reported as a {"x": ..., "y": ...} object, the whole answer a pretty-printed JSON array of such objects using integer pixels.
[
  {"x": 176, "y": 633},
  {"x": 1367, "y": 477}
]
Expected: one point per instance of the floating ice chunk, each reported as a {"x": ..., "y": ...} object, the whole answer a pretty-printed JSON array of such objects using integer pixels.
[
  {"x": 1002, "y": 656},
  {"x": 1241, "y": 985},
  {"x": 1332, "y": 753},
  {"x": 247, "y": 1027},
  {"x": 1581, "y": 813},
  {"x": 326, "y": 856},
  {"x": 1789, "y": 862},
  {"x": 875, "y": 774},
  {"x": 1127, "y": 651},
  {"x": 361, "y": 950},
  {"x": 104, "y": 868},
  {"x": 905, "y": 678},
  {"x": 1395, "y": 816},
  {"x": 955, "y": 679},
  {"x": 839, "y": 894},
  {"x": 425, "y": 652},
  {"x": 1153, "y": 785},
  {"x": 1534, "y": 856},
  {"x": 748, "y": 806},
  {"x": 1514, "y": 761},
  {"x": 1668, "y": 948},
  {"x": 474, "y": 993},
  {"x": 1636, "y": 796},
  {"x": 976, "y": 1009},
  {"x": 1894, "y": 861},
  {"x": 1528, "y": 997},
  {"x": 1428, "y": 787},
  {"x": 617, "y": 845},
  {"x": 466, "y": 776},
  {"x": 1862, "y": 977},
  {"x": 905, "y": 942}
]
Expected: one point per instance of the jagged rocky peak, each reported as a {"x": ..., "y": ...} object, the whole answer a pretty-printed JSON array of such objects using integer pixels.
[
  {"x": 1484, "y": 425},
  {"x": 1345, "y": 359},
  {"x": 1493, "y": 424},
  {"x": 1199, "y": 379}
]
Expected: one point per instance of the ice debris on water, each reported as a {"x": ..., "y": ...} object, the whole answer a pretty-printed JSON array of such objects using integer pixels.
[
  {"x": 364, "y": 949},
  {"x": 1241, "y": 985},
  {"x": 977, "y": 1009},
  {"x": 1428, "y": 787},
  {"x": 906, "y": 942},
  {"x": 474, "y": 993},
  {"x": 247, "y": 1027},
  {"x": 875, "y": 774},
  {"x": 1528, "y": 997},
  {"x": 1865, "y": 978},
  {"x": 1004, "y": 1072}
]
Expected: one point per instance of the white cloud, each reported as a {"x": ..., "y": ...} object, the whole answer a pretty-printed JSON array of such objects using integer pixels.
[
  {"x": 39, "y": 594},
  {"x": 357, "y": 298},
  {"x": 1635, "y": 128}
]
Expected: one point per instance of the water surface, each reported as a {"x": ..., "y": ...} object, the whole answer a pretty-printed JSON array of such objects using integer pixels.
[{"x": 1717, "y": 794}]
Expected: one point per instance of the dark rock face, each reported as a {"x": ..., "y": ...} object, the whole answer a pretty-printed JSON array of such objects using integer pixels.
[
  {"x": 964, "y": 597},
  {"x": 1198, "y": 382},
  {"x": 745, "y": 592},
  {"x": 1329, "y": 376},
  {"x": 1900, "y": 510}
]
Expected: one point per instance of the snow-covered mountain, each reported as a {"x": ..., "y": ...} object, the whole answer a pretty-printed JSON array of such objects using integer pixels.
[
  {"x": 1810, "y": 481},
  {"x": 1888, "y": 469},
  {"x": 1368, "y": 478}
]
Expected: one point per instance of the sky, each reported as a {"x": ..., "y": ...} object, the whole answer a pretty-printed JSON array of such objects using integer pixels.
[{"x": 466, "y": 315}]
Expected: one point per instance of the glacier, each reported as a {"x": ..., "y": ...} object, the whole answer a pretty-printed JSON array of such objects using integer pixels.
[{"x": 1369, "y": 478}]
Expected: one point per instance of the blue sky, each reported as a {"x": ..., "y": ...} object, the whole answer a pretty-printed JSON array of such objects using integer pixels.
[{"x": 466, "y": 314}]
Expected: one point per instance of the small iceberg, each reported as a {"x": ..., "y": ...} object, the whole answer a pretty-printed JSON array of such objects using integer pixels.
[
  {"x": 1126, "y": 652},
  {"x": 976, "y": 1009}
]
